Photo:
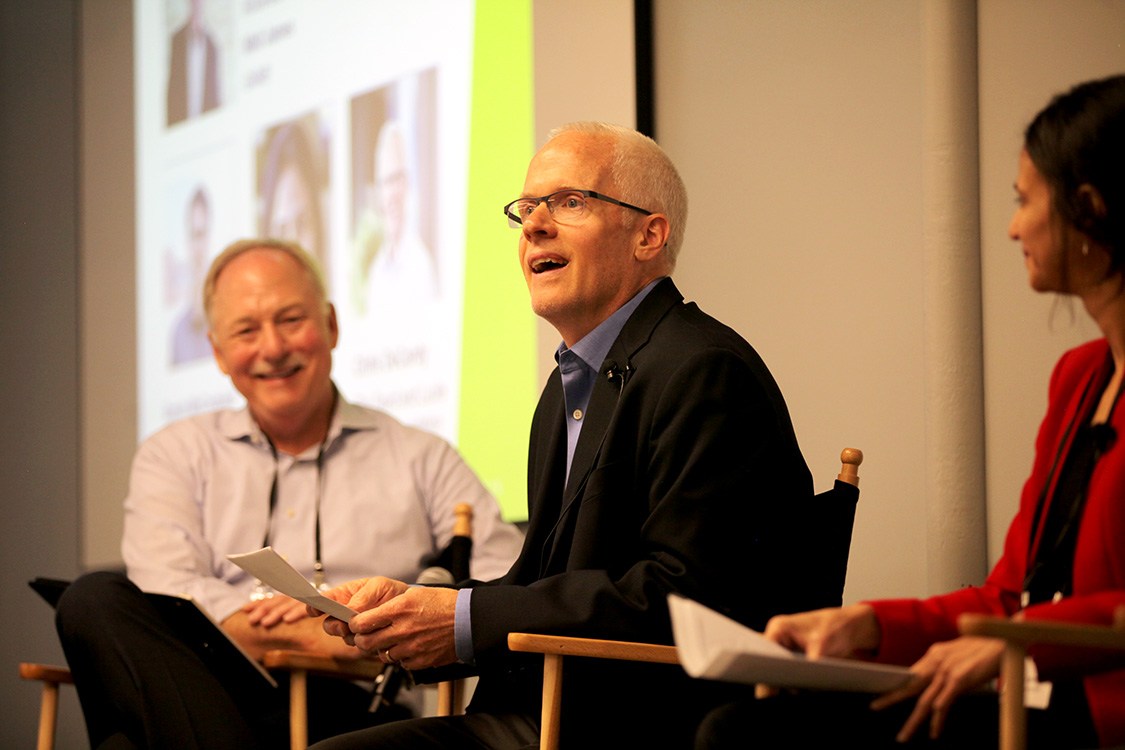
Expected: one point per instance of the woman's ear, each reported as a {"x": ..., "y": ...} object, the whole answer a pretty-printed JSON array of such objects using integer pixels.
[{"x": 1090, "y": 205}]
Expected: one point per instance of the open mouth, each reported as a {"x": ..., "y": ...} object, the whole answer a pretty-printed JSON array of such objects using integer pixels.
[{"x": 542, "y": 265}]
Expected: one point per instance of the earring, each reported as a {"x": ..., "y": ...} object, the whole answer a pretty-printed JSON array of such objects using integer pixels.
[{"x": 1085, "y": 248}]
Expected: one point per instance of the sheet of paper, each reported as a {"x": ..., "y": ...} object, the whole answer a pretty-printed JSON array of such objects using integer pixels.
[
  {"x": 713, "y": 646},
  {"x": 271, "y": 569}
]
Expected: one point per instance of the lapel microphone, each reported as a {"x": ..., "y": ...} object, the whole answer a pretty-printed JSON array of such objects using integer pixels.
[
  {"x": 613, "y": 372},
  {"x": 1104, "y": 436}
]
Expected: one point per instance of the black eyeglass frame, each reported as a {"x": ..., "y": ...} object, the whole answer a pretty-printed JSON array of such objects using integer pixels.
[{"x": 584, "y": 193}]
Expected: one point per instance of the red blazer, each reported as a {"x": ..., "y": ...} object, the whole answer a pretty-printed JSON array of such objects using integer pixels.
[{"x": 910, "y": 626}]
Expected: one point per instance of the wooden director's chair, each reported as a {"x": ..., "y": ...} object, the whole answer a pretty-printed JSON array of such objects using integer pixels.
[
  {"x": 299, "y": 664},
  {"x": 837, "y": 515}
]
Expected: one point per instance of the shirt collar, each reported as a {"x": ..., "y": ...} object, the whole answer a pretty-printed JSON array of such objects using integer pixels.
[
  {"x": 240, "y": 425},
  {"x": 595, "y": 345}
]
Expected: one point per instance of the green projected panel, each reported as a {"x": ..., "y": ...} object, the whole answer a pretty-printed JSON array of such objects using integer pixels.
[{"x": 498, "y": 368}]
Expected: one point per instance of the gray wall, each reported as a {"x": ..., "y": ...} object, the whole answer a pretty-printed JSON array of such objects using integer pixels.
[{"x": 39, "y": 330}]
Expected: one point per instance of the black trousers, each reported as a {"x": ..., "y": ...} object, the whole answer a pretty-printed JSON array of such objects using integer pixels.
[
  {"x": 814, "y": 720},
  {"x": 141, "y": 687},
  {"x": 476, "y": 731}
]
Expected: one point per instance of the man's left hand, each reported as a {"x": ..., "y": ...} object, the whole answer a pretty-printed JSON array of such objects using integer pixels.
[
  {"x": 274, "y": 610},
  {"x": 413, "y": 629}
]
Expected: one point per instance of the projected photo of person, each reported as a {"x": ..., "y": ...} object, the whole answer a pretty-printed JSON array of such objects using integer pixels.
[
  {"x": 193, "y": 68},
  {"x": 394, "y": 262},
  {"x": 292, "y": 186},
  {"x": 401, "y": 281},
  {"x": 189, "y": 334}
]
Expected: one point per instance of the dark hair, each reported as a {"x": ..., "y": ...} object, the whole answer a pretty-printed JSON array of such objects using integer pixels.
[{"x": 1079, "y": 139}]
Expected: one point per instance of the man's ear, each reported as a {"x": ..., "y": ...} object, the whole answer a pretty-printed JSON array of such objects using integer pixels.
[
  {"x": 217, "y": 353},
  {"x": 653, "y": 233},
  {"x": 333, "y": 326}
]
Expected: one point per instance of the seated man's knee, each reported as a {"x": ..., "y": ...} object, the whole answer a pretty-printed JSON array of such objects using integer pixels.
[{"x": 91, "y": 598}]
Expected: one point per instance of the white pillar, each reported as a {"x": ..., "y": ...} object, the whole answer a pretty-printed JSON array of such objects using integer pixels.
[{"x": 954, "y": 491}]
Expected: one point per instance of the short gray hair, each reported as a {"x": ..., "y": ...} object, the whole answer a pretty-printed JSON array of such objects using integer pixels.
[
  {"x": 237, "y": 248},
  {"x": 643, "y": 174}
]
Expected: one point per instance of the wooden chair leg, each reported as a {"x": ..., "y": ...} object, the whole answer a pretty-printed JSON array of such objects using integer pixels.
[
  {"x": 51, "y": 677},
  {"x": 552, "y": 702},
  {"x": 1013, "y": 715},
  {"x": 298, "y": 709},
  {"x": 48, "y": 711},
  {"x": 451, "y": 698}
]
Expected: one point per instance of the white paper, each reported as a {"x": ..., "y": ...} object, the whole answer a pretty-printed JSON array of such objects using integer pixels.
[
  {"x": 713, "y": 646},
  {"x": 271, "y": 569}
]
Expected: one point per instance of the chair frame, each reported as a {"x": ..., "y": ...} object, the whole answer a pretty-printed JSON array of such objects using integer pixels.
[
  {"x": 555, "y": 648},
  {"x": 51, "y": 677},
  {"x": 1018, "y": 636},
  {"x": 299, "y": 664}
]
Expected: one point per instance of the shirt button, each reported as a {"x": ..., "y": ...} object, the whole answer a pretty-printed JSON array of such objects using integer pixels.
[{"x": 577, "y": 414}]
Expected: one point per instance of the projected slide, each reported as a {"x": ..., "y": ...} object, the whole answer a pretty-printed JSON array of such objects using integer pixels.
[{"x": 354, "y": 128}]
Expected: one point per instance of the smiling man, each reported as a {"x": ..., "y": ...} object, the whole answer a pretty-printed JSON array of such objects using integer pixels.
[
  {"x": 662, "y": 459},
  {"x": 294, "y": 469}
]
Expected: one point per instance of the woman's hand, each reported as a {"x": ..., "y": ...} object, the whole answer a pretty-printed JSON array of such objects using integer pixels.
[
  {"x": 840, "y": 631},
  {"x": 948, "y": 670}
]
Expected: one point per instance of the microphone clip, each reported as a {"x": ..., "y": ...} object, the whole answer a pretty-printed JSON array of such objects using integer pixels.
[{"x": 613, "y": 372}]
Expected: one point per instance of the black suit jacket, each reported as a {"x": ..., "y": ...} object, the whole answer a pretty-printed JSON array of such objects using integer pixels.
[
  {"x": 177, "y": 76},
  {"x": 687, "y": 478}
]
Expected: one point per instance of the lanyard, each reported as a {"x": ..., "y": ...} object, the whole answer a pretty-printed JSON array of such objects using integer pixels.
[{"x": 319, "y": 579}]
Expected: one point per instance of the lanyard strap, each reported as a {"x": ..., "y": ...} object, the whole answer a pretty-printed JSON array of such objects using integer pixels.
[{"x": 319, "y": 579}]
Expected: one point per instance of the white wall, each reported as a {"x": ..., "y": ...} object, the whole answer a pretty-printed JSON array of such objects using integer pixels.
[
  {"x": 801, "y": 127},
  {"x": 799, "y": 134}
]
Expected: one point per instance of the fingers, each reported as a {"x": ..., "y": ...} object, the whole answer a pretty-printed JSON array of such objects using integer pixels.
[
  {"x": 374, "y": 593},
  {"x": 947, "y": 670},
  {"x": 933, "y": 704},
  {"x": 916, "y": 685},
  {"x": 842, "y": 631},
  {"x": 267, "y": 613}
]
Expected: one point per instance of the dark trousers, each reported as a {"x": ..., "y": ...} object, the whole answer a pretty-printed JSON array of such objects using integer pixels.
[
  {"x": 814, "y": 720},
  {"x": 140, "y": 686},
  {"x": 476, "y": 731}
]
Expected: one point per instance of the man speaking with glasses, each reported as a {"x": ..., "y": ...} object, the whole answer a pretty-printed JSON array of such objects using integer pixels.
[{"x": 662, "y": 459}]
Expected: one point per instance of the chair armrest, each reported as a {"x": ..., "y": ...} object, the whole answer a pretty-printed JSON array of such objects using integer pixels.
[
  {"x": 322, "y": 664},
  {"x": 45, "y": 673},
  {"x": 1028, "y": 632},
  {"x": 561, "y": 645}
]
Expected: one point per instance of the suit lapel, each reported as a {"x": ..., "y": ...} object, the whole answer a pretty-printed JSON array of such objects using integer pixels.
[
  {"x": 613, "y": 377},
  {"x": 547, "y": 465}
]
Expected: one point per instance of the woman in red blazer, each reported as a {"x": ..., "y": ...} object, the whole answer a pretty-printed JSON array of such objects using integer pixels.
[{"x": 1064, "y": 557}]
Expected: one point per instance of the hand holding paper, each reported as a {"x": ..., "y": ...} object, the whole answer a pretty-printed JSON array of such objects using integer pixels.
[
  {"x": 268, "y": 566},
  {"x": 715, "y": 647}
]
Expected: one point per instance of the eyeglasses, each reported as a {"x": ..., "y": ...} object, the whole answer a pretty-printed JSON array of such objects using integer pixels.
[{"x": 565, "y": 206}]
